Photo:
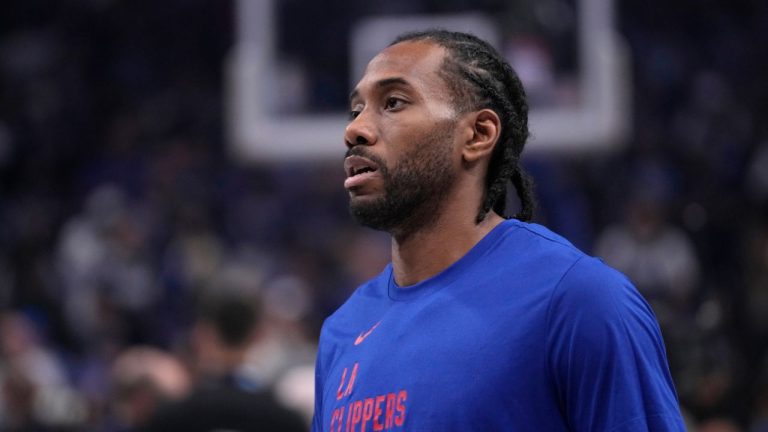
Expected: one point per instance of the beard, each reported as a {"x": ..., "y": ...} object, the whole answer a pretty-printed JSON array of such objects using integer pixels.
[{"x": 415, "y": 187}]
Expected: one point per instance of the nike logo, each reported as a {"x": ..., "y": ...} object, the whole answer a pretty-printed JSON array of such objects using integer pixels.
[{"x": 364, "y": 335}]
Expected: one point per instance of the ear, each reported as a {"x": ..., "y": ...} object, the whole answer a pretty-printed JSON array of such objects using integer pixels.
[{"x": 485, "y": 131}]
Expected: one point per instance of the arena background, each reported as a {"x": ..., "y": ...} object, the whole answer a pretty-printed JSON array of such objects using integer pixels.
[{"x": 126, "y": 195}]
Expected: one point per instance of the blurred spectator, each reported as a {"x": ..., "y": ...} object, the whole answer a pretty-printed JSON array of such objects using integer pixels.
[
  {"x": 285, "y": 350},
  {"x": 106, "y": 278},
  {"x": 18, "y": 394},
  {"x": 35, "y": 392},
  {"x": 657, "y": 256},
  {"x": 143, "y": 380},
  {"x": 224, "y": 397},
  {"x": 719, "y": 425}
]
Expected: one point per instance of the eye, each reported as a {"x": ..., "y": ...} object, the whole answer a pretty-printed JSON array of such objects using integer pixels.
[
  {"x": 355, "y": 111},
  {"x": 393, "y": 103}
]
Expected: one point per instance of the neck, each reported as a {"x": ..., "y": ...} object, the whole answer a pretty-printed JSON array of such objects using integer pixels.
[{"x": 431, "y": 249}]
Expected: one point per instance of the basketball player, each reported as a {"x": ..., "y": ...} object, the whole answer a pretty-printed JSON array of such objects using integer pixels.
[{"x": 480, "y": 323}]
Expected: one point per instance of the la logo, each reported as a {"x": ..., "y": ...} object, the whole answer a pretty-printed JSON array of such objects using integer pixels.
[{"x": 348, "y": 390}]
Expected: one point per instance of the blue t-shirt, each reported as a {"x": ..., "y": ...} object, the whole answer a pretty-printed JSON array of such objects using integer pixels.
[{"x": 523, "y": 333}]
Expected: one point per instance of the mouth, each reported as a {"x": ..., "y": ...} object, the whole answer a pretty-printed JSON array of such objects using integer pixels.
[
  {"x": 356, "y": 165},
  {"x": 358, "y": 169}
]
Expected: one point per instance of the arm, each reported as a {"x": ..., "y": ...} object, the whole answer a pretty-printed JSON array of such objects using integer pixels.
[{"x": 606, "y": 356}]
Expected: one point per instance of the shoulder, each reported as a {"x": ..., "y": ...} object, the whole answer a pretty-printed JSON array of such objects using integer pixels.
[
  {"x": 600, "y": 308},
  {"x": 530, "y": 255},
  {"x": 579, "y": 286},
  {"x": 604, "y": 348},
  {"x": 591, "y": 287},
  {"x": 531, "y": 242}
]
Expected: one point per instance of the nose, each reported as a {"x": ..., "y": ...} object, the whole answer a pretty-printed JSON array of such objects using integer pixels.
[{"x": 359, "y": 132}]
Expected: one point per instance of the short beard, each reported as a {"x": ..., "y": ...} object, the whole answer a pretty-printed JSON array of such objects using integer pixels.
[{"x": 415, "y": 189}]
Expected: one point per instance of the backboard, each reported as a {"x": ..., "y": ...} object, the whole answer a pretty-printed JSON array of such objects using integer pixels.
[{"x": 286, "y": 91}]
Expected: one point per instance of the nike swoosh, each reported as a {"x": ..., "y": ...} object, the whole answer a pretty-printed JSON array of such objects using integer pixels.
[{"x": 364, "y": 335}]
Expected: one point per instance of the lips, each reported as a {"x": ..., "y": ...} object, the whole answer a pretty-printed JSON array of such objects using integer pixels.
[{"x": 359, "y": 169}]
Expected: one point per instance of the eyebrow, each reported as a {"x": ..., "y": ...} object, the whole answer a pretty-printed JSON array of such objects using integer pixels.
[{"x": 386, "y": 82}]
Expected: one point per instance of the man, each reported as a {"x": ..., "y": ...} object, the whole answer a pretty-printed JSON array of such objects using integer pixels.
[
  {"x": 225, "y": 399},
  {"x": 143, "y": 379},
  {"x": 479, "y": 323}
]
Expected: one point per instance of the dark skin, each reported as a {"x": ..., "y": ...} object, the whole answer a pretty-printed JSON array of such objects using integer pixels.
[{"x": 398, "y": 100}]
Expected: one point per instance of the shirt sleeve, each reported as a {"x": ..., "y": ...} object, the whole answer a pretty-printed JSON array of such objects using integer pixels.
[
  {"x": 606, "y": 356},
  {"x": 319, "y": 372}
]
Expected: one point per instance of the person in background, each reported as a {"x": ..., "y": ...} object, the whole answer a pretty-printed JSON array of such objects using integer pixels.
[
  {"x": 143, "y": 379},
  {"x": 225, "y": 398},
  {"x": 35, "y": 394}
]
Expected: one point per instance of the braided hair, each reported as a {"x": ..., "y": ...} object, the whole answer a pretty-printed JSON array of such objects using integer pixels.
[{"x": 478, "y": 78}]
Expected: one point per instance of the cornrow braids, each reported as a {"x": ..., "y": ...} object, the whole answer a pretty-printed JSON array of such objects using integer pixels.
[{"x": 478, "y": 78}]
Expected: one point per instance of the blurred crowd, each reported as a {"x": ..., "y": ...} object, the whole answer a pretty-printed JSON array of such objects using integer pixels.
[{"x": 122, "y": 214}]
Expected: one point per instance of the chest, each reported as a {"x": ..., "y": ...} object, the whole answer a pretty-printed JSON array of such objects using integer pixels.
[{"x": 447, "y": 362}]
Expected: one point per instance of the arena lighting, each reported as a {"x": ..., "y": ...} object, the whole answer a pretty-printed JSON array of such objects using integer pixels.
[{"x": 600, "y": 121}]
